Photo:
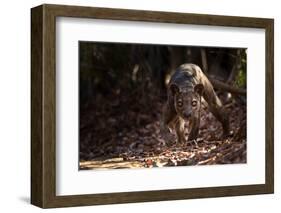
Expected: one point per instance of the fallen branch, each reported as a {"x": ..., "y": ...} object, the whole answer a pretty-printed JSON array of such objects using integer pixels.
[{"x": 220, "y": 85}]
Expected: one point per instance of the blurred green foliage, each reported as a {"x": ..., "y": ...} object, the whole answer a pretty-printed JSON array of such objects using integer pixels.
[{"x": 241, "y": 79}]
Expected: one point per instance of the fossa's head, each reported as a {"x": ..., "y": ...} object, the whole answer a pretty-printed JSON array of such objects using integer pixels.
[{"x": 187, "y": 100}]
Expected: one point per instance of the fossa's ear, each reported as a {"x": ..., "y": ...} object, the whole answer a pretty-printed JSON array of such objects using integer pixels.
[
  {"x": 174, "y": 89},
  {"x": 199, "y": 88}
]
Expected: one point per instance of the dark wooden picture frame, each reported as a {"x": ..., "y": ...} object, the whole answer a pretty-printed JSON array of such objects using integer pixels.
[{"x": 43, "y": 105}]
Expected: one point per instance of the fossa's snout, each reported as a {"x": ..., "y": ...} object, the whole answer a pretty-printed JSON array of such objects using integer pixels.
[{"x": 186, "y": 115}]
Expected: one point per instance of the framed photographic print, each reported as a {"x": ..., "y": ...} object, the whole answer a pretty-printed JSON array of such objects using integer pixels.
[{"x": 136, "y": 106}]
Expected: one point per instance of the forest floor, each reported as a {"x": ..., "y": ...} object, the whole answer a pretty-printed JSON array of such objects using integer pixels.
[{"x": 123, "y": 134}]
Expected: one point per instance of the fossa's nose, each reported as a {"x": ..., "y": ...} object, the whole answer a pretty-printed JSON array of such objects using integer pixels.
[{"x": 186, "y": 115}]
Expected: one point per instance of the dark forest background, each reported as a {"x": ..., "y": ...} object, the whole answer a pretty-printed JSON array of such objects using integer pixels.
[
  {"x": 122, "y": 89},
  {"x": 105, "y": 67}
]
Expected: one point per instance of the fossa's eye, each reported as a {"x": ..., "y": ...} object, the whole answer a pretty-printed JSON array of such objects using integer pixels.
[
  {"x": 194, "y": 103},
  {"x": 180, "y": 103}
]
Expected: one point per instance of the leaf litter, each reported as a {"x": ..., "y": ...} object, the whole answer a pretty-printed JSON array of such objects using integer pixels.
[{"x": 125, "y": 134}]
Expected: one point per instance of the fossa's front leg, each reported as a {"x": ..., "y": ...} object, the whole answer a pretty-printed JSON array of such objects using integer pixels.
[
  {"x": 179, "y": 126},
  {"x": 194, "y": 128}
]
